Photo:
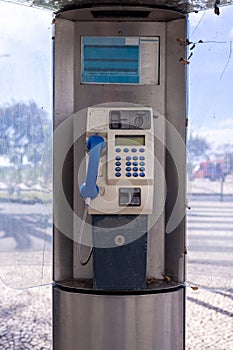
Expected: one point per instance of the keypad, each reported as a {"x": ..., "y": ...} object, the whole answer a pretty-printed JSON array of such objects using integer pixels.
[{"x": 131, "y": 165}]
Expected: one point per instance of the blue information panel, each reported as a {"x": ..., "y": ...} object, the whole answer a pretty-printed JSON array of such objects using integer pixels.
[{"x": 114, "y": 60}]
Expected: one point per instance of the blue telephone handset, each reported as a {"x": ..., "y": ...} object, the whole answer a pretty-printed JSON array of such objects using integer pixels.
[{"x": 89, "y": 188}]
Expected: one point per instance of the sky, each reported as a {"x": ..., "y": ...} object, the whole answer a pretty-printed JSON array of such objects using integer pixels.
[
  {"x": 26, "y": 53},
  {"x": 210, "y": 110}
]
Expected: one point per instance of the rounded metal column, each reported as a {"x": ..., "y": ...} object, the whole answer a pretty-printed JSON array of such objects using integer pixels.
[{"x": 119, "y": 322}]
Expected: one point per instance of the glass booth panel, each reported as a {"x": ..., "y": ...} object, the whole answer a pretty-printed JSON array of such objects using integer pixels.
[
  {"x": 210, "y": 148},
  {"x": 25, "y": 148}
]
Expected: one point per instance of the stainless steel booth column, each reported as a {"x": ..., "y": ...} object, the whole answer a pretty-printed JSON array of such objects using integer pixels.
[{"x": 119, "y": 179}]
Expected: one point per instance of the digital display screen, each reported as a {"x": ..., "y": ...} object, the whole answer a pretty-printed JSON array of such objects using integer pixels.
[
  {"x": 120, "y": 60},
  {"x": 130, "y": 140}
]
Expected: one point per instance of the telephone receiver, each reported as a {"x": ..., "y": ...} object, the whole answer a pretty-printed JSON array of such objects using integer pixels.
[{"x": 89, "y": 189}]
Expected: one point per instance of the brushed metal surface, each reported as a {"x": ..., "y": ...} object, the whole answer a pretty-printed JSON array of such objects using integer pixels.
[
  {"x": 167, "y": 98},
  {"x": 146, "y": 95},
  {"x": 175, "y": 168},
  {"x": 123, "y": 322},
  {"x": 129, "y": 13},
  {"x": 63, "y": 107}
]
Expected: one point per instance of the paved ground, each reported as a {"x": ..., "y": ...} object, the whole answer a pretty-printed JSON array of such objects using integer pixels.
[
  {"x": 25, "y": 319},
  {"x": 25, "y": 316},
  {"x": 210, "y": 261},
  {"x": 209, "y": 320}
]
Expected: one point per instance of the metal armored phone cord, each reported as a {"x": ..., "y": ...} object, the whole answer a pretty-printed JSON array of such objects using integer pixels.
[{"x": 84, "y": 261}]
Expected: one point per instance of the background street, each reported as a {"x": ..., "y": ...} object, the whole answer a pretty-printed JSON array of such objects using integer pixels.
[
  {"x": 25, "y": 259},
  {"x": 210, "y": 260}
]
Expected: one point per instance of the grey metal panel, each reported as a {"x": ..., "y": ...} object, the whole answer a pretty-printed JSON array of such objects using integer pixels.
[
  {"x": 64, "y": 69},
  {"x": 147, "y": 95},
  {"x": 175, "y": 114},
  {"x": 123, "y": 322},
  {"x": 63, "y": 107},
  {"x": 122, "y": 13},
  {"x": 73, "y": 96}
]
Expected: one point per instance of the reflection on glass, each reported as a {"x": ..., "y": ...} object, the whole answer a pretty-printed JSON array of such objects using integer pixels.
[
  {"x": 210, "y": 173},
  {"x": 24, "y": 223},
  {"x": 25, "y": 129}
]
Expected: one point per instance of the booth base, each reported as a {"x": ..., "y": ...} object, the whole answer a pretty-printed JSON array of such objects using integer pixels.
[{"x": 88, "y": 321}]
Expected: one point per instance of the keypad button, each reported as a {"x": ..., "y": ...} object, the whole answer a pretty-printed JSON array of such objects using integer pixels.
[
  {"x": 128, "y": 158},
  {"x": 117, "y": 174},
  {"x": 135, "y": 169},
  {"x": 128, "y": 174},
  {"x": 128, "y": 163},
  {"x": 126, "y": 150},
  {"x": 142, "y": 158},
  {"x": 118, "y": 163},
  {"x": 118, "y": 158},
  {"x": 142, "y": 163},
  {"x": 135, "y": 174},
  {"x": 128, "y": 168},
  {"x": 118, "y": 168},
  {"x": 135, "y": 158},
  {"x": 135, "y": 163},
  {"x": 118, "y": 150},
  {"x": 134, "y": 150},
  {"x": 142, "y": 150},
  {"x": 142, "y": 169},
  {"x": 142, "y": 174}
]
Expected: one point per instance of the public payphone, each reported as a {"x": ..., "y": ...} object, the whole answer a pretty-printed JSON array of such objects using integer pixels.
[
  {"x": 120, "y": 89},
  {"x": 125, "y": 170},
  {"x": 119, "y": 182}
]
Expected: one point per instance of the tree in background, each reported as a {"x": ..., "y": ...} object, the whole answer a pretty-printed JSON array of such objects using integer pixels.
[
  {"x": 197, "y": 146},
  {"x": 24, "y": 131}
]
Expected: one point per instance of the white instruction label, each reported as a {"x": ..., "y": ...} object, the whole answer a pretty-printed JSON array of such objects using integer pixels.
[{"x": 149, "y": 61}]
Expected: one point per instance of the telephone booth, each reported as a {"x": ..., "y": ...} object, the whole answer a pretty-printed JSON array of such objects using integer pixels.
[{"x": 119, "y": 178}]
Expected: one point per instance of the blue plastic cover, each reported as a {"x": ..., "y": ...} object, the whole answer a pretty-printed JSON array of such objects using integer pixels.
[{"x": 110, "y": 60}]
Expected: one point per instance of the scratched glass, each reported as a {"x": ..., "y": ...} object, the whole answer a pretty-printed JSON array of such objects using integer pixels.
[{"x": 25, "y": 129}]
